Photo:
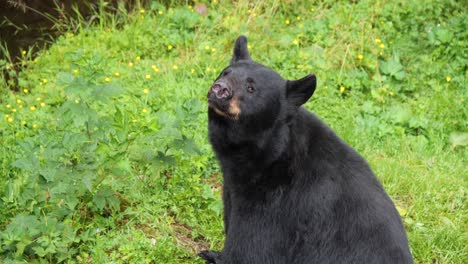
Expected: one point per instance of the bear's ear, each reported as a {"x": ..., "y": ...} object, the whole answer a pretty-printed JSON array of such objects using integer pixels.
[
  {"x": 299, "y": 91},
  {"x": 240, "y": 50}
]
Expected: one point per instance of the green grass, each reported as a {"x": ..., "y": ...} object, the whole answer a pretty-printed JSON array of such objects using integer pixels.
[{"x": 115, "y": 164}]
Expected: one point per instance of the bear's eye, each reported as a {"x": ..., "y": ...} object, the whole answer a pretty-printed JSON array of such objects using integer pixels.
[{"x": 250, "y": 85}]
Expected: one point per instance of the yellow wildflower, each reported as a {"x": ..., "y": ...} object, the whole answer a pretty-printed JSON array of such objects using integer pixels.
[
  {"x": 312, "y": 9},
  {"x": 360, "y": 57},
  {"x": 207, "y": 47},
  {"x": 13, "y": 110},
  {"x": 377, "y": 41},
  {"x": 145, "y": 110},
  {"x": 10, "y": 119},
  {"x": 23, "y": 123},
  {"x": 192, "y": 71},
  {"x": 137, "y": 58},
  {"x": 23, "y": 52},
  {"x": 296, "y": 42},
  {"x": 213, "y": 50},
  {"x": 145, "y": 91},
  {"x": 19, "y": 101},
  {"x": 448, "y": 78},
  {"x": 342, "y": 89},
  {"x": 33, "y": 108},
  {"x": 7, "y": 115},
  {"x": 34, "y": 126},
  {"x": 75, "y": 71},
  {"x": 175, "y": 67},
  {"x": 160, "y": 12},
  {"x": 169, "y": 47},
  {"x": 148, "y": 76},
  {"x": 107, "y": 79},
  {"x": 117, "y": 74},
  {"x": 130, "y": 64},
  {"x": 44, "y": 81},
  {"x": 38, "y": 99},
  {"x": 287, "y": 22},
  {"x": 8, "y": 106},
  {"x": 20, "y": 106},
  {"x": 142, "y": 11},
  {"x": 43, "y": 104},
  {"x": 25, "y": 91},
  {"x": 382, "y": 46}
]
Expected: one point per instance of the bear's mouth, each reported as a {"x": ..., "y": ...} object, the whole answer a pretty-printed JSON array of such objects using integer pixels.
[
  {"x": 213, "y": 104},
  {"x": 229, "y": 109}
]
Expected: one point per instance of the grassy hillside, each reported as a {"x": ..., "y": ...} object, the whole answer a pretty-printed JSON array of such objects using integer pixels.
[{"x": 104, "y": 152}]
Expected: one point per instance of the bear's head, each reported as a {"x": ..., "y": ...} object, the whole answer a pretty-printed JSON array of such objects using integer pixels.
[{"x": 249, "y": 93}]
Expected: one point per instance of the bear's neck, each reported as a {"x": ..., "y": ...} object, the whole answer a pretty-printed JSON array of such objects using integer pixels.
[{"x": 252, "y": 160}]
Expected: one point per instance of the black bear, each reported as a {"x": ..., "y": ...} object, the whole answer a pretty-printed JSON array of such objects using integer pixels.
[{"x": 293, "y": 192}]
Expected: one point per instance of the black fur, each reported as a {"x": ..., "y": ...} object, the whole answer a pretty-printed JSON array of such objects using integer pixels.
[{"x": 294, "y": 192}]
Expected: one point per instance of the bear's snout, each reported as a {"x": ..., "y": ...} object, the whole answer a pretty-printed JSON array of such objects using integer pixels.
[{"x": 221, "y": 90}]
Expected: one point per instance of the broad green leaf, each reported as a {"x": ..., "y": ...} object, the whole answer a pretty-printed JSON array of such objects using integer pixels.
[
  {"x": 99, "y": 201},
  {"x": 188, "y": 146},
  {"x": 113, "y": 202},
  {"x": 105, "y": 196},
  {"x": 162, "y": 160},
  {"x": 393, "y": 68},
  {"x": 122, "y": 168},
  {"x": 39, "y": 251},
  {"x": 417, "y": 122},
  {"x": 65, "y": 78},
  {"x": 30, "y": 163},
  {"x": 170, "y": 131},
  {"x": 459, "y": 139},
  {"x": 105, "y": 91},
  {"x": 444, "y": 35},
  {"x": 87, "y": 180},
  {"x": 24, "y": 226}
]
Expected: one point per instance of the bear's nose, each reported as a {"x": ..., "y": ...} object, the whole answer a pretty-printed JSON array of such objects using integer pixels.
[{"x": 221, "y": 90}]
